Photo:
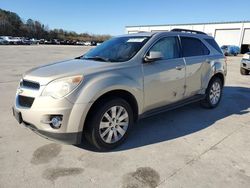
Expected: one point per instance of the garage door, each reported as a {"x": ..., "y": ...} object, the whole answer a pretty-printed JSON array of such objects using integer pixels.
[
  {"x": 227, "y": 36},
  {"x": 246, "y": 39}
]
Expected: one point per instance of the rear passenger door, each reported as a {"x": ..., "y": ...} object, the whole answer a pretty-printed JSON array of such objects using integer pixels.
[{"x": 195, "y": 54}]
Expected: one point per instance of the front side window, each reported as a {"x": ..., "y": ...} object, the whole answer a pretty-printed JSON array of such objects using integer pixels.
[
  {"x": 169, "y": 47},
  {"x": 118, "y": 49},
  {"x": 193, "y": 47}
]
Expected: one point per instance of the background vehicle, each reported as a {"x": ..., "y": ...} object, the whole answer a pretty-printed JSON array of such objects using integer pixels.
[
  {"x": 55, "y": 41},
  {"x": 230, "y": 50},
  {"x": 87, "y": 43},
  {"x": 3, "y": 40},
  {"x": 93, "y": 43},
  {"x": 80, "y": 43},
  {"x": 42, "y": 41},
  {"x": 101, "y": 94},
  {"x": 34, "y": 41},
  {"x": 245, "y": 64},
  {"x": 11, "y": 40},
  {"x": 27, "y": 41}
]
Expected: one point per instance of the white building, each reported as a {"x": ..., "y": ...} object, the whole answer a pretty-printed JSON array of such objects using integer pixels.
[{"x": 225, "y": 33}]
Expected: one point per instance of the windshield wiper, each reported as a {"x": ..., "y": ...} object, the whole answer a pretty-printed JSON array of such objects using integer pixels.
[{"x": 98, "y": 58}]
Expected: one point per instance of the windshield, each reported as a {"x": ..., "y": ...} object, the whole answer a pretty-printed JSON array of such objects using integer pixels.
[{"x": 118, "y": 49}]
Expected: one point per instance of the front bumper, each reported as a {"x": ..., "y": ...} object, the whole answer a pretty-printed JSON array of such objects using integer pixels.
[
  {"x": 71, "y": 128},
  {"x": 37, "y": 116},
  {"x": 245, "y": 64},
  {"x": 68, "y": 138}
]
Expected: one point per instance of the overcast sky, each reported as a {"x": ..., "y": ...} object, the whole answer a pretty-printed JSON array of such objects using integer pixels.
[{"x": 111, "y": 16}]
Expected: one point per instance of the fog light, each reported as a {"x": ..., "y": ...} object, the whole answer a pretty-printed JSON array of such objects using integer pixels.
[{"x": 56, "y": 122}]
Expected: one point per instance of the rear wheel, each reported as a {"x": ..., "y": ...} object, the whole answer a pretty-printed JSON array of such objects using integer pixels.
[
  {"x": 244, "y": 71},
  {"x": 110, "y": 123},
  {"x": 213, "y": 93}
]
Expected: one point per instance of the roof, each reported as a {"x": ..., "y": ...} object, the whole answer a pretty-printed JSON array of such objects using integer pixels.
[
  {"x": 205, "y": 23},
  {"x": 172, "y": 33}
]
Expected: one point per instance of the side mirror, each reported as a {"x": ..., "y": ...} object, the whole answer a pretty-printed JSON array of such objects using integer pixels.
[{"x": 153, "y": 56}]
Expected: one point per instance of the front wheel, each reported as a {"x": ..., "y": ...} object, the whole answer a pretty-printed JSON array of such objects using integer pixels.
[
  {"x": 213, "y": 93},
  {"x": 110, "y": 123}
]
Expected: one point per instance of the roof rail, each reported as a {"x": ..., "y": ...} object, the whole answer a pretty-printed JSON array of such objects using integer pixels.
[{"x": 188, "y": 31}]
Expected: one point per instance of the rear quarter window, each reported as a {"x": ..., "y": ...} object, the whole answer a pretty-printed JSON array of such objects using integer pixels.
[
  {"x": 214, "y": 45},
  {"x": 193, "y": 47}
]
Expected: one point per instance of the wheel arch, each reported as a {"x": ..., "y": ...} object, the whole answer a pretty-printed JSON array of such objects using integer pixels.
[
  {"x": 217, "y": 70},
  {"x": 219, "y": 75},
  {"x": 118, "y": 93}
]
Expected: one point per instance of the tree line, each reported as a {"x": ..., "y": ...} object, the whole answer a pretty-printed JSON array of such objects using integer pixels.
[{"x": 12, "y": 25}]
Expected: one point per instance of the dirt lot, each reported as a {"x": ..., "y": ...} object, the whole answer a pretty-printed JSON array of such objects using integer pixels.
[{"x": 187, "y": 147}]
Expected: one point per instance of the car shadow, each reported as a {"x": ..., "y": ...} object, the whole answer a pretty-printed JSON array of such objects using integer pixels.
[{"x": 184, "y": 121}]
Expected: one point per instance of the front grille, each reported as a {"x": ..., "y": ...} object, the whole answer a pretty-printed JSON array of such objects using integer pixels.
[
  {"x": 25, "y": 101},
  {"x": 30, "y": 84}
]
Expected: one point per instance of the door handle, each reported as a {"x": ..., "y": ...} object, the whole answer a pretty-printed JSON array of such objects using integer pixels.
[{"x": 180, "y": 67}]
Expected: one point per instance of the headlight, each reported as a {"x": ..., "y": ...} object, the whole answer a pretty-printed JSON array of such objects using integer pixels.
[{"x": 61, "y": 87}]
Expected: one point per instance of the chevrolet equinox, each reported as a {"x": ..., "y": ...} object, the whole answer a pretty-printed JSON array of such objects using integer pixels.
[{"x": 102, "y": 93}]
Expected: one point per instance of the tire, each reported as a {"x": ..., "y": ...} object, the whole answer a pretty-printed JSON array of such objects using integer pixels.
[
  {"x": 213, "y": 93},
  {"x": 113, "y": 131},
  {"x": 244, "y": 71}
]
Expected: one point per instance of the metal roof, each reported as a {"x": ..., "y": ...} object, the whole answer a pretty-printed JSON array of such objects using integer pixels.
[{"x": 205, "y": 23}]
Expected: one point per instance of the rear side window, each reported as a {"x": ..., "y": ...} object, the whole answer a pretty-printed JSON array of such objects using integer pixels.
[
  {"x": 214, "y": 44},
  {"x": 193, "y": 47}
]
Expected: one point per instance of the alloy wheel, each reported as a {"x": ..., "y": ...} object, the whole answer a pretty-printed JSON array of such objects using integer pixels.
[
  {"x": 114, "y": 124},
  {"x": 215, "y": 93}
]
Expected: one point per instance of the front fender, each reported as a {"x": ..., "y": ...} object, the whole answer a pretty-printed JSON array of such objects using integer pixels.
[{"x": 96, "y": 86}]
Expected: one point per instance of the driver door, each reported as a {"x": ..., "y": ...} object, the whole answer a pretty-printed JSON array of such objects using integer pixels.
[{"x": 164, "y": 79}]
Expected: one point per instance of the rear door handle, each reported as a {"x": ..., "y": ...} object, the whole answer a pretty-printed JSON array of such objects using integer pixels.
[{"x": 180, "y": 67}]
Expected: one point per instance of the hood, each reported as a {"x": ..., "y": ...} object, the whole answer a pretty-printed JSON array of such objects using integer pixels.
[{"x": 45, "y": 74}]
